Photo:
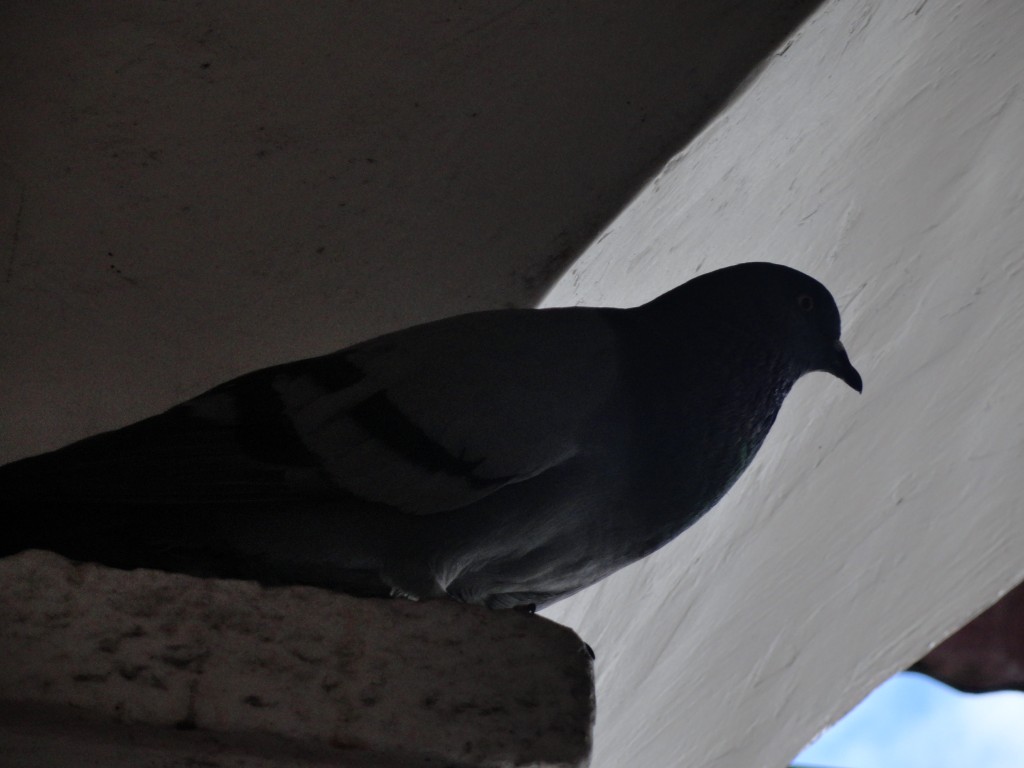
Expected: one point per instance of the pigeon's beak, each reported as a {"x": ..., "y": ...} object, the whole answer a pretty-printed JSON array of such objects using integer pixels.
[{"x": 842, "y": 368}]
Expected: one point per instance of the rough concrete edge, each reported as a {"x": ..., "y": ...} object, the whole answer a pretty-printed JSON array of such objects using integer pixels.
[{"x": 275, "y": 623}]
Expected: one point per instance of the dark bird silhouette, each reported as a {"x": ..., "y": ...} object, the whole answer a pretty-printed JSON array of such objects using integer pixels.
[{"x": 506, "y": 458}]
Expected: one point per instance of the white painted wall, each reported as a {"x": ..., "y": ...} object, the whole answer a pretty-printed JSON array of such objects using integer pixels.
[{"x": 882, "y": 152}]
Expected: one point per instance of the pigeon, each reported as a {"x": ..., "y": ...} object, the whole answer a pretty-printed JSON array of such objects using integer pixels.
[{"x": 504, "y": 458}]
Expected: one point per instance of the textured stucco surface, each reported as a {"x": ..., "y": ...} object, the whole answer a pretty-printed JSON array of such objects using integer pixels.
[
  {"x": 126, "y": 661},
  {"x": 882, "y": 153}
]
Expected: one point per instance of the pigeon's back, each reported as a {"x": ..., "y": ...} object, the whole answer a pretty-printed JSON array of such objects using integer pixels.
[{"x": 313, "y": 471}]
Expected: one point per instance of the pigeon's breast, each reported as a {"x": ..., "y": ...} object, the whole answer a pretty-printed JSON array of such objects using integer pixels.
[{"x": 693, "y": 442}]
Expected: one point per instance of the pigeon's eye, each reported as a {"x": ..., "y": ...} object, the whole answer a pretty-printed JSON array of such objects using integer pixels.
[{"x": 805, "y": 302}]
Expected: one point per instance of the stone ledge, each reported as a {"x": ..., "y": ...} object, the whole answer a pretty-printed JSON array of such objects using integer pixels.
[{"x": 109, "y": 668}]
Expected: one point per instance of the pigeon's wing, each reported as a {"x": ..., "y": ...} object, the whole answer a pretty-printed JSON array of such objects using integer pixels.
[{"x": 431, "y": 418}]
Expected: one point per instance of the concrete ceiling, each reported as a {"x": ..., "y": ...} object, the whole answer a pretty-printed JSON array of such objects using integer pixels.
[{"x": 192, "y": 190}]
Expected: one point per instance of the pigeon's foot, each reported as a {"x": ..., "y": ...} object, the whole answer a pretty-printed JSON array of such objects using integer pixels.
[{"x": 414, "y": 586}]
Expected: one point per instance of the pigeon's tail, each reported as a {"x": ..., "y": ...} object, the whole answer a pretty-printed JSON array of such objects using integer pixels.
[
  {"x": 124, "y": 500},
  {"x": 31, "y": 516},
  {"x": 50, "y": 503}
]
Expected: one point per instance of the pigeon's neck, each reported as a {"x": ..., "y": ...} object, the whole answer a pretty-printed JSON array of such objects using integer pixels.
[
  {"x": 729, "y": 406},
  {"x": 707, "y": 403}
]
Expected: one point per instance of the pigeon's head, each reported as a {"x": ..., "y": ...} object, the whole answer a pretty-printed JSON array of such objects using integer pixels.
[{"x": 783, "y": 306}]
